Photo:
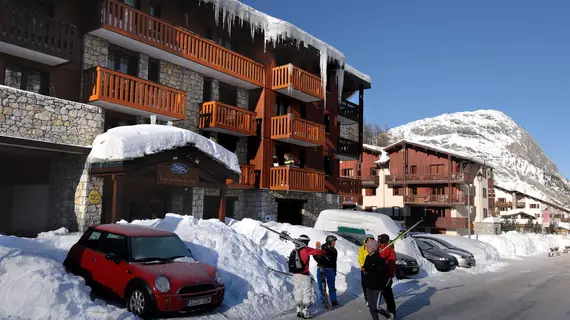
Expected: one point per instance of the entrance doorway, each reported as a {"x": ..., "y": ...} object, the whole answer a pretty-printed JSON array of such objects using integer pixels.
[
  {"x": 290, "y": 211},
  {"x": 211, "y": 207},
  {"x": 231, "y": 206}
]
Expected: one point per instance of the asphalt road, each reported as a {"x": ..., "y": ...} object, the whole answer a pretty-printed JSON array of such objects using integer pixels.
[{"x": 535, "y": 288}]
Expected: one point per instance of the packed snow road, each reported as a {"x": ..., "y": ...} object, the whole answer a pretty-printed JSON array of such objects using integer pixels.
[{"x": 532, "y": 288}]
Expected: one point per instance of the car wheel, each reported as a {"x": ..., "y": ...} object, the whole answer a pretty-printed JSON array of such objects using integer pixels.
[{"x": 138, "y": 302}]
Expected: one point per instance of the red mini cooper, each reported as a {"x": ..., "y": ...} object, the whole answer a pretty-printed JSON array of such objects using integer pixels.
[{"x": 152, "y": 270}]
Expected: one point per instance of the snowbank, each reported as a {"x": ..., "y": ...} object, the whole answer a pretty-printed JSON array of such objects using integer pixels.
[
  {"x": 35, "y": 285},
  {"x": 131, "y": 142},
  {"x": 513, "y": 244}
]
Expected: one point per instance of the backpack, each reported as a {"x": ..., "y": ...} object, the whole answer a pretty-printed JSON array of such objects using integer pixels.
[{"x": 296, "y": 265}]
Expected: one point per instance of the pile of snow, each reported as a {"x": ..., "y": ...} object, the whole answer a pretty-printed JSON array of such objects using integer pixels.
[
  {"x": 35, "y": 285},
  {"x": 137, "y": 141},
  {"x": 514, "y": 244}
]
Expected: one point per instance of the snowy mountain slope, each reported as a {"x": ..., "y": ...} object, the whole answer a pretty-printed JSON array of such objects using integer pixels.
[{"x": 518, "y": 160}]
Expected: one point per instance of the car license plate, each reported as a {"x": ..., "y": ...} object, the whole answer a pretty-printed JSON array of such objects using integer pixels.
[
  {"x": 414, "y": 269},
  {"x": 199, "y": 301}
]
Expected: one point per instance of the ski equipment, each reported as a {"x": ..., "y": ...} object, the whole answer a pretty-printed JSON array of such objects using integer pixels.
[
  {"x": 280, "y": 272},
  {"x": 403, "y": 233},
  {"x": 284, "y": 236},
  {"x": 323, "y": 281},
  {"x": 296, "y": 265}
]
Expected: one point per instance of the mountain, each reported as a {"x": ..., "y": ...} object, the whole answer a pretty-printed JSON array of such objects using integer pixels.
[{"x": 518, "y": 160}]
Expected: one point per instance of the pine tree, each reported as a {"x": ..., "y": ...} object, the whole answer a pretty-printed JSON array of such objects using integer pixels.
[{"x": 529, "y": 227}]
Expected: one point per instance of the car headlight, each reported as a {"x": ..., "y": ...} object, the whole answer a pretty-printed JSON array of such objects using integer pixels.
[
  {"x": 219, "y": 277},
  {"x": 442, "y": 259},
  {"x": 401, "y": 262},
  {"x": 162, "y": 283}
]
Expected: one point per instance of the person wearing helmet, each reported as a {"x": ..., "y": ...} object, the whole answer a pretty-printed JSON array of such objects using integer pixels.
[
  {"x": 327, "y": 267},
  {"x": 303, "y": 289},
  {"x": 362, "y": 253},
  {"x": 388, "y": 254}
]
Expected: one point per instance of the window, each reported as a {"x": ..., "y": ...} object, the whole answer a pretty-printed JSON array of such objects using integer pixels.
[
  {"x": 502, "y": 200},
  {"x": 424, "y": 245},
  {"x": 436, "y": 168},
  {"x": 155, "y": 248},
  {"x": 328, "y": 165},
  {"x": 228, "y": 94},
  {"x": 227, "y": 141},
  {"x": 396, "y": 191},
  {"x": 347, "y": 172},
  {"x": 438, "y": 191},
  {"x": 373, "y": 171},
  {"x": 154, "y": 10},
  {"x": 303, "y": 111},
  {"x": 484, "y": 192},
  {"x": 28, "y": 80},
  {"x": 414, "y": 191},
  {"x": 114, "y": 244},
  {"x": 225, "y": 43},
  {"x": 327, "y": 123},
  {"x": 413, "y": 169},
  {"x": 91, "y": 239},
  {"x": 373, "y": 192},
  {"x": 133, "y": 3},
  {"x": 153, "y": 70},
  {"x": 370, "y": 192},
  {"x": 123, "y": 61},
  {"x": 207, "y": 90},
  {"x": 484, "y": 213},
  {"x": 534, "y": 206}
]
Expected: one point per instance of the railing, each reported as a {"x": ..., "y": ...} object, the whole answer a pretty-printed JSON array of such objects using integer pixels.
[
  {"x": 247, "y": 177},
  {"x": 349, "y": 110},
  {"x": 287, "y": 75},
  {"x": 290, "y": 178},
  {"x": 115, "y": 87},
  {"x": 290, "y": 127},
  {"x": 437, "y": 199},
  {"x": 158, "y": 33},
  {"x": 427, "y": 177},
  {"x": 347, "y": 147},
  {"x": 520, "y": 204},
  {"x": 349, "y": 186},
  {"x": 369, "y": 180},
  {"x": 441, "y": 222},
  {"x": 38, "y": 32},
  {"x": 504, "y": 204},
  {"x": 215, "y": 114},
  {"x": 351, "y": 199}
]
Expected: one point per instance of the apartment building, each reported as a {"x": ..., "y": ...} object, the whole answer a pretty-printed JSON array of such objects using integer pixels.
[
  {"x": 278, "y": 98},
  {"x": 419, "y": 181}
]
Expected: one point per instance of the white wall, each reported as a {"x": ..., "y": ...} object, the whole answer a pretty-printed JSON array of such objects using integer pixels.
[
  {"x": 384, "y": 199},
  {"x": 480, "y": 203},
  {"x": 30, "y": 205}
]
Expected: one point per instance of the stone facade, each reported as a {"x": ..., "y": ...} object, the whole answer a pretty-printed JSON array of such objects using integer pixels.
[
  {"x": 197, "y": 202},
  {"x": 33, "y": 116},
  {"x": 349, "y": 131},
  {"x": 239, "y": 209},
  {"x": 215, "y": 92},
  {"x": 189, "y": 81},
  {"x": 143, "y": 66},
  {"x": 493, "y": 228},
  {"x": 95, "y": 52}
]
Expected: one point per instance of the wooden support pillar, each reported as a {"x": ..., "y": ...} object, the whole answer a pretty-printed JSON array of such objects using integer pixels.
[
  {"x": 222, "y": 208},
  {"x": 449, "y": 176},
  {"x": 116, "y": 203}
]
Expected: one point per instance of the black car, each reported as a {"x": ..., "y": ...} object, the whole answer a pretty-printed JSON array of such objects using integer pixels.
[
  {"x": 405, "y": 265},
  {"x": 442, "y": 261}
]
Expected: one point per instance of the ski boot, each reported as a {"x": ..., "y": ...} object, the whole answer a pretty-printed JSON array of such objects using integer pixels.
[
  {"x": 299, "y": 311},
  {"x": 305, "y": 313},
  {"x": 335, "y": 303}
]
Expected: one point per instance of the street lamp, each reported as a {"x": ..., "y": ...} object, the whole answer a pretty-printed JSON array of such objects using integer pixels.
[{"x": 479, "y": 178}]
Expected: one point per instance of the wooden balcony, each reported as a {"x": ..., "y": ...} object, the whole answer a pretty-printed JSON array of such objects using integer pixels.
[
  {"x": 296, "y": 179},
  {"x": 432, "y": 221},
  {"x": 349, "y": 186},
  {"x": 347, "y": 149},
  {"x": 520, "y": 204},
  {"x": 291, "y": 129},
  {"x": 369, "y": 181},
  {"x": 297, "y": 83},
  {"x": 504, "y": 204},
  {"x": 348, "y": 112},
  {"x": 135, "y": 30},
  {"x": 37, "y": 37},
  {"x": 441, "y": 200},
  {"x": 117, "y": 91},
  {"x": 246, "y": 180},
  {"x": 219, "y": 117},
  {"x": 429, "y": 178}
]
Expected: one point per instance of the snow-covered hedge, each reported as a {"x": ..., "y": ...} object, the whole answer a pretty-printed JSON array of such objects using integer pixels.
[{"x": 514, "y": 244}]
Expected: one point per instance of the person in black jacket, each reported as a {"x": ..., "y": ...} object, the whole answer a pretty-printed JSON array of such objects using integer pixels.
[
  {"x": 375, "y": 269},
  {"x": 327, "y": 266}
]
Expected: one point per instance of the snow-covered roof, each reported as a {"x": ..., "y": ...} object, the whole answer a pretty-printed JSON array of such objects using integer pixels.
[
  {"x": 443, "y": 150},
  {"x": 350, "y": 69},
  {"x": 372, "y": 148},
  {"x": 516, "y": 212},
  {"x": 132, "y": 142}
]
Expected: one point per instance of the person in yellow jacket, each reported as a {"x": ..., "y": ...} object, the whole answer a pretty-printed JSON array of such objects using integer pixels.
[{"x": 362, "y": 253}]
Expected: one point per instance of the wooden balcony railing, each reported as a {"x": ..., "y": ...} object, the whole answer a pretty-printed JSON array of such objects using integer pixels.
[
  {"x": 437, "y": 199},
  {"x": 440, "y": 222},
  {"x": 456, "y": 177},
  {"x": 247, "y": 178},
  {"x": 369, "y": 181},
  {"x": 38, "y": 32},
  {"x": 347, "y": 148},
  {"x": 520, "y": 204},
  {"x": 158, "y": 33},
  {"x": 102, "y": 84},
  {"x": 298, "y": 131},
  {"x": 291, "y": 77},
  {"x": 217, "y": 116},
  {"x": 290, "y": 178},
  {"x": 349, "y": 186},
  {"x": 504, "y": 204},
  {"x": 349, "y": 110}
]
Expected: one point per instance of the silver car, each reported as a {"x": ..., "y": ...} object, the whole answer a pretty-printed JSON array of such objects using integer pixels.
[{"x": 464, "y": 258}]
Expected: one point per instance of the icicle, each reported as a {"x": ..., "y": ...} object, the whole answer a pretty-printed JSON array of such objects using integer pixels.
[
  {"x": 340, "y": 82},
  {"x": 323, "y": 63}
]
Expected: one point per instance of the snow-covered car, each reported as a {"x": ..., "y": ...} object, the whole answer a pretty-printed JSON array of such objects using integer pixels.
[
  {"x": 464, "y": 258},
  {"x": 441, "y": 260},
  {"x": 152, "y": 270}
]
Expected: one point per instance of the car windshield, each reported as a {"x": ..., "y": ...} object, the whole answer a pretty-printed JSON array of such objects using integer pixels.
[
  {"x": 162, "y": 248},
  {"x": 424, "y": 245},
  {"x": 444, "y": 243}
]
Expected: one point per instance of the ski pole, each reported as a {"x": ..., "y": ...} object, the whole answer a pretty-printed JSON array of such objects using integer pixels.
[{"x": 401, "y": 235}]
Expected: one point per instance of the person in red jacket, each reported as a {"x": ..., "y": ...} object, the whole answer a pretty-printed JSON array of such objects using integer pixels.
[
  {"x": 303, "y": 293},
  {"x": 389, "y": 255}
]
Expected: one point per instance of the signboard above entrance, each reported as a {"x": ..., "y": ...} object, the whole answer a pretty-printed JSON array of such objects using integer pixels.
[{"x": 176, "y": 174}]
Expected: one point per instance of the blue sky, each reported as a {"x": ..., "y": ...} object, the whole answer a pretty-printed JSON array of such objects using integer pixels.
[{"x": 428, "y": 57}]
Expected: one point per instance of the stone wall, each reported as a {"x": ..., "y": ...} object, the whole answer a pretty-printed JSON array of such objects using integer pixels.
[
  {"x": 487, "y": 228},
  {"x": 29, "y": 115},
  {"x": 349, "y": 132},
  {"x": 197, "y": 202},
  {"x": 143, "y": 65},
  {"x": 95, "y": 52},
  {"x": 188, "y": 81},
  {"x": 239, "y": 208}
]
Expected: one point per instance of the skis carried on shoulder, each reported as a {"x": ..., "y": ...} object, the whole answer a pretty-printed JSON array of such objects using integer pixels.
[
  {"x": 403, "y": 233},
  {"x": 285, "y": 236},
  {"x": 280, "y": 272}
]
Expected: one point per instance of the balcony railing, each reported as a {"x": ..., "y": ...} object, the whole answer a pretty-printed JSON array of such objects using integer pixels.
[
  {"x": 246, "y": 180},
  {"x": 504, "y": 204},
  {"x": 291, "y": 178},
  {"x": 297, "y": 83},
  {"x": 31, "y": 30},
  {"x": 220, "y": 117},
  {"x": 116, "y": 90},
  {"x": 347, "y": 149},
  {"x": 349, "y": 186},
  {"x": 456, "y": 177},
  {"x": 441, "y": 222},
  {"x": 137, "y": 25},
  {"x": 297, "y": 131},
  {"x": 437, "y": 199},
  {"x": 369, "y": 181},
  {"x": 350, "y": 111},
  {"x": 520, "y": 204}
]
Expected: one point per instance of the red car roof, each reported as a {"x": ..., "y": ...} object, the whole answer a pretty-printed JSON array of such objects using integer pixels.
[{"x": 130, "y": 230}]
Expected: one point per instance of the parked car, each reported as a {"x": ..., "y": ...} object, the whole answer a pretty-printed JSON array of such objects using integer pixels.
[
  {"x": 405, "y": 265},
  {"x": 464, "y": 258},
  {"x": 441, "y": 241},
  {"x": 442, "y": 261},
  {"x": 152, "y": 270}
]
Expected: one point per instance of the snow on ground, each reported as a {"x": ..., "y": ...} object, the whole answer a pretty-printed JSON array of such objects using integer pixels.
[
  {"x": 514, "y": 244},
  {"x": 136, "y": 141}
]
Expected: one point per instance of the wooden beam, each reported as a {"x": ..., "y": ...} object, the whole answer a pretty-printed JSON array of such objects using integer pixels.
[
  {"x": 222, "y": 209},
  {"x": 115, "y": 202}
]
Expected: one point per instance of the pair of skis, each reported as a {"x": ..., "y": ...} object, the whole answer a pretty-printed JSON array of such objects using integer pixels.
[{"x": 402, "y": 234}]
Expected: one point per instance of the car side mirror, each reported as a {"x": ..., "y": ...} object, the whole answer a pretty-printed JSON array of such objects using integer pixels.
[{"x": 113, "y": 257}]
